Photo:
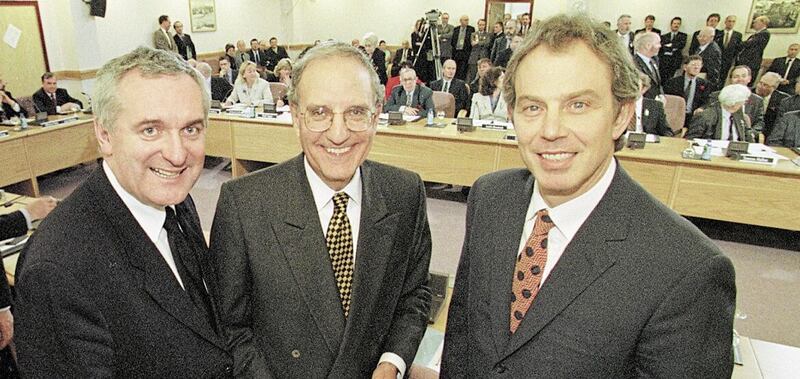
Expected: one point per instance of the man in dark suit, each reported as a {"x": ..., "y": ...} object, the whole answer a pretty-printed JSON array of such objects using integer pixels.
[
  {"x": 787, "y": 131},
  {"x": 753, "y": 107},
  {"x": 274, "y": 54},
  {"x": 647, "y": 45},
  {"x": 711, "y": 21},
  {"x": 752, "y": 50},
  {"x": 225, "y": 70},
  {"x": 504, "y": 56},
  {"x": 113, "y": 283},
  {"x": 691, "y": 88},
  {"x": 502, "y": 43},
  {"x": 257, "y": 56},
  {"x": 649, "y": 21},
  {"x": 730, "y": 45},
  {"x": 624, "y": 33},
  {"x": 650, "y": 115},
  {"x": 564, "y": 264},
  {"x": 404, "y": 54},
  {"x": 724, "y": 120},
  {"x": 52, "y": 99},
  {"x": 671, "y": 53},
  {"x": 410, "y": 98},
  {"x": 327, "y": 277},
  {"x": 788, "y": 68},
  {"x": 184, "y": 42},
  {"x": 791, "y": 103},
  {"x": 767, "y": 88},
  {"x": 457, "y": 87},
  {"x": 12, "y": 225},
  {"x": 462, "y": 46},
  {"x": 711, "y": 54}
]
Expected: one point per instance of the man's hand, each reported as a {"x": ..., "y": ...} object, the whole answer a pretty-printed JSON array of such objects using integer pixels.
[
  {"x": 70, "y": 107},
  {"x": 411, "y": 111},
  {"x": 5, "y": 98},
  {"x": 7, "y": 328},
  {"x": 697, "y": 111},
  {"x": 385, "y": 370},
  {"x": 41, "y": 207}
]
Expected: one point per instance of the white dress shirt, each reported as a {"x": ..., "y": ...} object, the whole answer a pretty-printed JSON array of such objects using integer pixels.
[
  {"x": 639, "y": 111},
  {"x": 323, "y": 199},
  {"x": 726, "y": 126},
  {"x": 150, "y": 219},
  {"x": 567, "y": 218}
]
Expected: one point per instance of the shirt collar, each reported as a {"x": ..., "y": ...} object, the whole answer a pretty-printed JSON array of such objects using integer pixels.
[
  {"x": 149, "y": 218},
  {"x": 645, "y": 58},
  {"x": 703, "y": 47},
  {"x": 569, "y": 217},
  {"x": 725, "y": 114},
  {"x": 324, "y": 194}
]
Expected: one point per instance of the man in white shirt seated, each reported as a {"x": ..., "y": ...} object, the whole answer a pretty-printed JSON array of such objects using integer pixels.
[
  {"x": 410, "y": 98},
  {"x": 650, "y": 116}
]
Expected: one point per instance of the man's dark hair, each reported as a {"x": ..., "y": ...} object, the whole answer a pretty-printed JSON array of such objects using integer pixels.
[
  {"x": 714, "y": 15},
  {"x": 254, "y": 40},
  {"x": 676, "y": 18},
  {"x": 47, "y": 75},
  {"x": 650, "y": 17},
  {"x": 224, "y": 58},
  {"x": 229, "y": 46},
  {"x": 162, "y": 18},
  {"x": 273, "y": 38},
  {"x": 382, "y": 41},
  {"x": 690, "y": 58}
]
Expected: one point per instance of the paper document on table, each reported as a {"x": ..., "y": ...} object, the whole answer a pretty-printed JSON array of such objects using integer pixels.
[
  {"x": 756, "y": 149},
  {"x": 492, "y": 124},
  {"x": 406, "y": 117},
  {"x": 284, "y": 118},
  {"x": 284, "y": 108}
]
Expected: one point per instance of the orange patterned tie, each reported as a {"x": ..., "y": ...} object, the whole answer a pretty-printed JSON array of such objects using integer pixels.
[{"x": 529, "y": 269}]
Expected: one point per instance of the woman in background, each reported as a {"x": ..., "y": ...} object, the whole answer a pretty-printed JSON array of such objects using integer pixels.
[
  {"x": 376, "y": 55},
  {"x": 250, "y": 88},
  {"x": 488, "y": 103}
]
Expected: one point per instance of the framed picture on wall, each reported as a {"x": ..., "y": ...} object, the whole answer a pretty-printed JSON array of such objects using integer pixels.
[
  {"x": 204, "y": 15},
  {"x": 783, "y": 15}
]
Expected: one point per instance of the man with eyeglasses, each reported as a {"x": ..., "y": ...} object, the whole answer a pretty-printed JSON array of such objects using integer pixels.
[
  {"x": 323, "y": 260},
  {"x": 408, "y": 97}
]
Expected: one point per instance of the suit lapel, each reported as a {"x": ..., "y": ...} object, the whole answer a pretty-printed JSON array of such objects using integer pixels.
[
  {"x": 504, "y": 242},
  {"x": 303, "y": 242},
  {"x": 157, "y": 278},
  {"x": 585, "y": 259}
]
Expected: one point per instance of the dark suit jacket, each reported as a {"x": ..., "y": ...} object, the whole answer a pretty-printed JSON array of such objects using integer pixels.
[
  {"x": 718, "y": 36},
  {"x": 274, "y": 57},
  {"x": 729, "y": 53},
  {"x": 753, "y": 107},
  {"x": 43, "y": 102},
  {"x": 638, "y": 292},
  {"x": 104, "y": 302},
  {"x": 11, "y": 225},
  {"x": 752, "y": 51},
  {"x": 423, "y": 99},
  {"x": 183, "y": 45},
  {"x": 674, "y": 86},
  {"x": 459, "y": 90},
  {"x": 379, "y": 64},
  {"x": 671, "y": 54},
  {"x": 786, "y": 131},
  {"x": 10, "y": 112},
  {"x": 467, "y": 39},
  {"x": 708, "y": 125},
  {"x": 280, "y": 306},
  {"x": 502, "y": 58},
  {"x": 772, "y": 112},
  {"x": 655, "y": 77},
  {"x": 712, "y": 63},
  {"x": 779, "y": 66},
  {"x": 654, "y": 119},
  {"x": 498, "y": 46},
  {"x": 220, "y": 88},
  {"x": 790, "y": 104},
  {"x": 262, "y": 57},
  {"x": 396, "y": 60}
]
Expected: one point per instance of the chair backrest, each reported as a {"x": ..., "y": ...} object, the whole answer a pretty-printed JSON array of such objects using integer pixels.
[
  {"x": 444, "y": 101},
  {"x": 214, "y": 63},
  {"x": 278, "y": 90},
  {"x": 675, "y": 109},
  {"x": 26, "y": 102}
]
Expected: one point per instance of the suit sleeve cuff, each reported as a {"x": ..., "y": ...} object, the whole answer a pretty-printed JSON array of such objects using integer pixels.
[
  {"x": 27, "y": 216},
  {"x": 396, "y": 361}
]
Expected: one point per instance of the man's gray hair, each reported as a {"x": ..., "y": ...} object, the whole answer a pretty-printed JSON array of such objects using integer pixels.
[
  {"x": 205, "y": 69},
  {"x": 734, "y": 93},
  {"x": 148, "y": 62},
  {"x": 642, "y": 39},
  {"x": 331, "y": 49},
  {"x": 511, "y": 22},
  {"x": 370, "y": 39}
]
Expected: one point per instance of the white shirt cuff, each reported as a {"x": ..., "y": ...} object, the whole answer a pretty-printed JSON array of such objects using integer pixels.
[
  {"x": 16, "y": 107},
  {"x": 58, "y": 109},
  {"x": 396, "y": 361},
  {"x": 28, "y": 220}
]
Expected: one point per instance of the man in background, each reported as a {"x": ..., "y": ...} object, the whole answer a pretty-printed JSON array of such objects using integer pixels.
[
  {"x": 711, "y": 21},
  {"x": 445, "y": 37},
  {"x": 462, "y": 46},
  {"x": 671, "y": 53},
  {"x": 711, "y": 54},
  {"x": 274, "y": 54},
  {"x": 504, "y": 42},
  {"x": 647, "y": 45},
  {"x": 450, "y": 84},
  {"x": 767, "y": 88},
  {"x": 184, "y": 43},
  {"x": 624, "y": 32},
  {"x": 257, "y": 56},
  {"x": 788, "y": 68},
  {"x": 52, "y": 99},
  {"x": 731, "y": 42},
  {"x": 162, "y": 38},
  {"x": 689, "y": 86},
  {"x": 410, "y": 98},
  {"x": 752, "y": 50}
]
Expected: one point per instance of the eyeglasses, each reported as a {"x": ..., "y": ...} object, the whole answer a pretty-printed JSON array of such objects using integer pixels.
[{"x": 320, "y": 119}]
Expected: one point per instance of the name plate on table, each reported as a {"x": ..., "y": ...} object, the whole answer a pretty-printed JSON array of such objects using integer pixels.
[
  {"x": 266, "y": 115},
  {"x": 270, "y": 108},
  {"x": 3, "y": 133},
  {"x": 396, "y": 118},
  {"x": 59, "y": 121},
  {"x": 494, "y": 126},
  {"x": 214, "y": 111},
  {"x": 636, "y": 140},
  {"x": 749, "y": 158},
  {"x": 737, "y": 148},
  {"x": 464, "y": 124}
]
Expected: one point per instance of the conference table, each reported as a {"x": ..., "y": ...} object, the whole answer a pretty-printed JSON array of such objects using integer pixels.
[
  {"x": 30, "y": 153},
  {"x": 719, "y": 189}
]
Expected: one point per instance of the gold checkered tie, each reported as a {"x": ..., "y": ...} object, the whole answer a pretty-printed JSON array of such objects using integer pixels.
[{"x": 340, "y": 248}]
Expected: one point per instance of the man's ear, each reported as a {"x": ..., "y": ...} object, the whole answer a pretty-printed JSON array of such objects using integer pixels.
[
  {"x": 626, "y": 112},
  {"x": 103, "y": 138}
]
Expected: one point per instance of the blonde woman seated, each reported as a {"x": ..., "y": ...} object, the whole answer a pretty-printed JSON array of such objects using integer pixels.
[
  {"x": 250, "y": 88},
  {"x": 283, "y": 71},
  {"x": 488, "y": 102}
]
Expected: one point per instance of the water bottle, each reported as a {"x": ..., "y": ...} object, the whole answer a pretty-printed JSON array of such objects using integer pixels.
[
  {"x": 23, "y": 123},
  {"x": 430, "y": 116},
  {"x": 706, "y": 152}
]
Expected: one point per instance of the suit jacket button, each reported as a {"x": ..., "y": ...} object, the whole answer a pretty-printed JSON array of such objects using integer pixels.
[
  {"x": 499, "y": 368},
  {"x": 295, "y": 353}
]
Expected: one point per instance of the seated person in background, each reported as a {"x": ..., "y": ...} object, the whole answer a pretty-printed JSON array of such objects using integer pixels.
[
  {"x": 484, "y": 64},
  {"x": 10, "y": 106},
  {"x": 650, "y": 116},
  {"x": 786, "y": 131},
  {"x": 14, "y": 225},
  {"x": 233, "y": 58},
  {"x": 724, "y": 120},
  {"x": 52, "y": 99},
  {"x": 395, "y": 80},
  {"x": 791, "y": 103},
  {"x": 283, "y": 71},
  {"x": 410, "y": 98},
  {"x": 205, "y": 71},
  {"x": 256, "y": 55},
  {"x": 691, "y": 88},
  {"x": 505, "y": 55},
  {"x": 242, "y": 54},
  {"x": 767, "y": 88},
  {"x": 403, "y": 54},
  {"x": 753, "y": 107},
  {"x": 788, "y": 68},
  {"x": 488, "y": 103},
  {"x": 275, "y": 53},
  {"x": 226, "y": 71},
  {"x": 249, "y": 88},
  {"x": 449, "y": 83},
  {"x": 217, "y": 87}
]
